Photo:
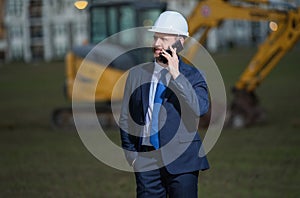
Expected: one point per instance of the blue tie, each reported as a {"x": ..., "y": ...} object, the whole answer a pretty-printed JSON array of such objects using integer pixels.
[{"x": 158, "y": 100}]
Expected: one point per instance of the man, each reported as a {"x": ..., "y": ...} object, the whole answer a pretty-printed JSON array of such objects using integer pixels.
[{"x": 159, "y": 119}]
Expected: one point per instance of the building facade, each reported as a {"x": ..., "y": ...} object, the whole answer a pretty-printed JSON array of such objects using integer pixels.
[
  {"x": 43, "y": 29},
  {"x": 47, "y": 29}
]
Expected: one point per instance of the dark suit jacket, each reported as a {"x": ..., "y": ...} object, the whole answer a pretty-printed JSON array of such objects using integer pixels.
[{"x": 186, "y": 99}]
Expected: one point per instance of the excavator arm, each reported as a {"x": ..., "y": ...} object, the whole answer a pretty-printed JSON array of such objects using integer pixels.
[{"x": 285, "y": 24}]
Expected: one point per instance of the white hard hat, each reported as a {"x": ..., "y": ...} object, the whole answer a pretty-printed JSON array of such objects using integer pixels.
[{"x": 171, "y": 22}]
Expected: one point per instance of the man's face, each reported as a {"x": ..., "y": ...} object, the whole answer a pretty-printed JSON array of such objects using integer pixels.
[{"x": 162, "y": 41}]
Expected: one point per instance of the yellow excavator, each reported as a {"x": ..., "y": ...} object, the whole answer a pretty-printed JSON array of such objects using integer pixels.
[
  {"x": 284, "y": 21},
  {"x": 109, "y": 18}
]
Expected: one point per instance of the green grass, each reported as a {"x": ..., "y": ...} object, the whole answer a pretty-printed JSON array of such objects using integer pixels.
[{"x": 37, "y": 161}]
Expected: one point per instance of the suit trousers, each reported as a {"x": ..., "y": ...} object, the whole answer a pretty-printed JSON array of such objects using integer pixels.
[{"x": 160, "y": 183}]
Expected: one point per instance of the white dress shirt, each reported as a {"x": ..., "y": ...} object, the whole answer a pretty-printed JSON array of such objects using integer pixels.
[{"x": 155, "y": 78}]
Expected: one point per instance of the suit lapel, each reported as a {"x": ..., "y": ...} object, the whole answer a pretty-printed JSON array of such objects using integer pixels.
[{"x": 145, "y": 86}]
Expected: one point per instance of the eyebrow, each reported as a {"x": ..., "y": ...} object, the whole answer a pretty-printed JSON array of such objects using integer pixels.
[{"x": 164, "y": 37}]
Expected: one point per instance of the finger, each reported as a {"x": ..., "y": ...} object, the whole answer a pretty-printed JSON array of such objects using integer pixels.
[
  {"x": 173, "y": 50},
  {"x": 166, "y": 53},
  {"x": 167, "y": 56},
  {"x": 174, "y": 54}
]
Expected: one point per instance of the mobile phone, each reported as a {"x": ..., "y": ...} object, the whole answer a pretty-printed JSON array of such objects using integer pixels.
[{"x": 176, "y": 45}]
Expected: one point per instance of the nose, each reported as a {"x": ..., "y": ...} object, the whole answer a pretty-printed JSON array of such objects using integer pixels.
[{"x": 157, "y": 42}]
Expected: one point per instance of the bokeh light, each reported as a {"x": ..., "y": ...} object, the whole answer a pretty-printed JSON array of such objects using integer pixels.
[
  {"x": 81, "y": 4},
  {"x": 273, "y": 26}
]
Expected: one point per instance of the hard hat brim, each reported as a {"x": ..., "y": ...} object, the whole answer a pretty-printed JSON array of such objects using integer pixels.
[{"x": 168, "y": 31}]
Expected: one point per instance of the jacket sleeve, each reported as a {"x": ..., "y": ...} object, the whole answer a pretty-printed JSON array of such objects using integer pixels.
[{"x": 192, "y": 92}]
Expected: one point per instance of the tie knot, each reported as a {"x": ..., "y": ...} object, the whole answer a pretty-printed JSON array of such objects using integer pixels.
[{"x": 163, "y": 72}]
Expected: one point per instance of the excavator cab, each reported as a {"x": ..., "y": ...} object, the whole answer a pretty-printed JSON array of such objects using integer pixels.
[{"x": 106, "y": 19}]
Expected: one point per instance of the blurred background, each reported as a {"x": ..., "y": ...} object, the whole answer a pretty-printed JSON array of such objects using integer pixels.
[{"x": 43, "y": 42}]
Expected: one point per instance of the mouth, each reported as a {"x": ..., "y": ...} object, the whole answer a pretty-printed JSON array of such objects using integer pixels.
[{"x": 157, "y": 51}]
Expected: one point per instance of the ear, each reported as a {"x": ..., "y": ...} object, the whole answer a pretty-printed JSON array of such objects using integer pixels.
[{"x": 181, "y": 40}]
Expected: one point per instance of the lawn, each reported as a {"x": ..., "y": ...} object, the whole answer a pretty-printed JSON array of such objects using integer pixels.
[{"x": 38, "y": 161}]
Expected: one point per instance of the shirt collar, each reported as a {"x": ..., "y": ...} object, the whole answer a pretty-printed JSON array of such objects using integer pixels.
[{"x": 158, "y": 67}]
